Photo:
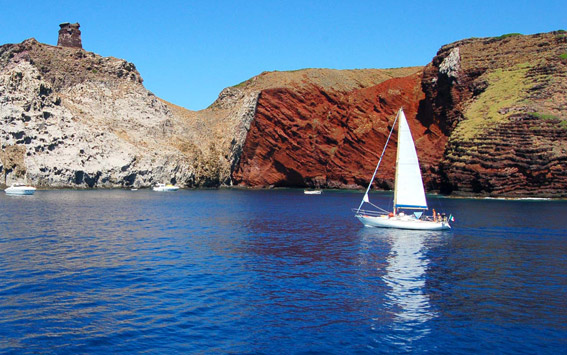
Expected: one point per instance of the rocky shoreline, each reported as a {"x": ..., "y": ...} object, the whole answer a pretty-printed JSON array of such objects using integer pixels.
[{"x": 458, "y": 195}]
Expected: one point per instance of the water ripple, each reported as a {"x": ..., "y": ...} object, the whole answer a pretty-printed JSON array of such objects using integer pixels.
[{"x": 275, "y": 272}]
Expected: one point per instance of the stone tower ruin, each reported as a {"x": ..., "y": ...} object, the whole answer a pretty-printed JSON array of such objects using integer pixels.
[{"x": 69, "y": 35}]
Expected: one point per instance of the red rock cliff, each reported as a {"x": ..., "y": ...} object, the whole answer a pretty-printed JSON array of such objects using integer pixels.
[
  {"x": 320, "y": 137},
  {"x": 488, "y": 116}
]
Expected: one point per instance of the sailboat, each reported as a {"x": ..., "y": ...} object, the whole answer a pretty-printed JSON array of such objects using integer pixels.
[{"x": 409, "y": 193}]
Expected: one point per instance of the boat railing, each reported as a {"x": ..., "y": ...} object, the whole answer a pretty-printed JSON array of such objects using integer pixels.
[
  {"x": 439, "y": 218},
  {"x": 371, "y": 213}
]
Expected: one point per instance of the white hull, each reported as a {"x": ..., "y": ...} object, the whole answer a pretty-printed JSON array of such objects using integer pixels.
[
  {"x": 166, "y": 188},
  {"x": 312, "y": 192},
  {"x": 20, "y": 190},
  {"x": 402, "y": 222}
]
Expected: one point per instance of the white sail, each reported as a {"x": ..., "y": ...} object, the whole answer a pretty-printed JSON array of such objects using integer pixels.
[{"x": 408, "y": 190}]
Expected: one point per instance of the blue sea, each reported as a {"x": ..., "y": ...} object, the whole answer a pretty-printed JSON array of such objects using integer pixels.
[{"x": 276, "y": 272}]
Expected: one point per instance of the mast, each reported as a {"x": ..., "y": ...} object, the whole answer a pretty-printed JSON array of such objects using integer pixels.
[{"x": 397, "y": 171}]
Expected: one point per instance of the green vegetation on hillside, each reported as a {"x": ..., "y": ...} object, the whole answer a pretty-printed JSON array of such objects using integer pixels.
[
  {"x": 508, "y": 35},
  {"x": 506, "y": 88},
  {"x": 545, "y": 116},
  {"x": 548, "y": 117}
]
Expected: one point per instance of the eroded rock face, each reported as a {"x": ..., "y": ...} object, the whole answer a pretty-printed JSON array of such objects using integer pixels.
[
  {"x": 322, "y": 137},
  {"x": 489, "y": 119},
  {"x": 71, "y": 118},
  {"x": 503, "y": 103},
  {"x": 525, "y": 156},
  {"x": 74, "y": 119}
]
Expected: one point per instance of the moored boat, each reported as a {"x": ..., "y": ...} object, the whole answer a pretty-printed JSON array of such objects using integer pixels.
[
  {"x": 165, "y": 187},
  {"x": 20, "y": 189}
]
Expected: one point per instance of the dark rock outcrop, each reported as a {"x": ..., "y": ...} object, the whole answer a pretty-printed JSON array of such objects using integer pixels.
[
  {"x": 525, "y": 156},
  {"x": 69, "y": 35}
]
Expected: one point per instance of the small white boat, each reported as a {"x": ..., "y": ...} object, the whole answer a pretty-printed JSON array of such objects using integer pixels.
[
  {"x": 409, "y": 193},
  {"x": 165, "y": 188},
  {"x": 20, "y": 189},
  {"x": 312, "y": 192}
]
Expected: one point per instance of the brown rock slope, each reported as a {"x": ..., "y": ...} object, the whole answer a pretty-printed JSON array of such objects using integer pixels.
[
  {"x": 503, "y": 101},
  {"x": 71, "y": 118},
  {"x": 327, "y": 128}
]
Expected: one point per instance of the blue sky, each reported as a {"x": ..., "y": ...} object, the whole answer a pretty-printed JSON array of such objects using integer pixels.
[{"x": 188, "y": 51}]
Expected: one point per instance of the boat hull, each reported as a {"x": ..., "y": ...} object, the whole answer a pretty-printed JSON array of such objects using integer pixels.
[
  {"x": 161, "y": 187},
  {"x": 20, "y": 191},
  {"x": 405, "y": 222},
  {"x": 166, "y": 189}
]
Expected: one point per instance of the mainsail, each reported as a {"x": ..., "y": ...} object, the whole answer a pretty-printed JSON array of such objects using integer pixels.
[{"x": 408, "y": 190}]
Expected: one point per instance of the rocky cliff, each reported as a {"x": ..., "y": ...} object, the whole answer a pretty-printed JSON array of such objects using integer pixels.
[
  {"x": 327, "y": 129},
  {"x": 488, "y": 117},
  {"x": 71, "y": 118},
  {"x": 503, "y": 103}
]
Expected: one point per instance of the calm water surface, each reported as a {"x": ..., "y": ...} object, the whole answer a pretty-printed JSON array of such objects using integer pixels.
[{"x": 271, "y": 272}]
